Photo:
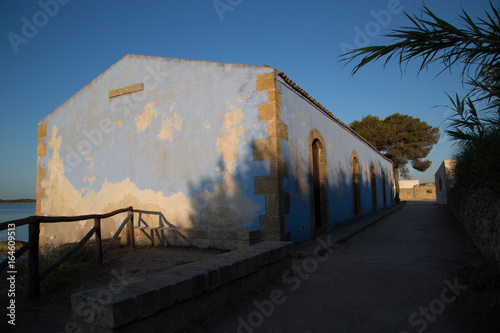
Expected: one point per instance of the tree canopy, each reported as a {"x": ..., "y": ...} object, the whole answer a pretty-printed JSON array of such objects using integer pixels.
[
  {"x": 401, "y": 138},
  {"x": 475, "y": 47}
]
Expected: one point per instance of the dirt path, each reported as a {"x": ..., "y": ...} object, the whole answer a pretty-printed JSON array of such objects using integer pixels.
[{"x": 52, "y": 312}]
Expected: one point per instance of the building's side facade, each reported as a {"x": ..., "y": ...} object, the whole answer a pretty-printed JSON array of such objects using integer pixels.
[
  {"x": 444, "y": 181},
  {"x": 207, "y": 145},
  {"x": 326, "y": 174},
  {"x": 165, "y": 135}
]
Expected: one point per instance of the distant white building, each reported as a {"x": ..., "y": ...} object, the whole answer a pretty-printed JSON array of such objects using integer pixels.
[
  {"x": 408, "y": 183},
  {"x": 444, "y": 180}
]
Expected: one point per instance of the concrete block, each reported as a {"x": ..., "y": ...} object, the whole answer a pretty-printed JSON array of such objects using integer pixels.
[
  {"x": 174, "y": 284},
  {"x": 102, "y": 308},
  {"x": 203, "y": 243},
  {"x": 254, "y": 234},
  {"x": 199, "y": 234},
  {"x": 212, "y": 233},
  {"x": 210, "y": 272},
  {"x": 240, "y": 267},
  {"x": 233, "y": 234},
  {"x": 230, "y": 239},
  {"x": 171, "y": 288},
  {"x": 225, "y": 269},
  {"x": 168, "y": 292},
  {"x": 146, "y": 301}
]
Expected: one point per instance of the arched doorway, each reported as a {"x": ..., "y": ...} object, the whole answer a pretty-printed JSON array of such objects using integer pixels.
[
  {"x": 356, "y": 185},
  {"x": 373, "y": 183},
  {"x": 384, "y": 194},
  {"x": 391, "y": 187},
  {"x": 318, "y": 183}
]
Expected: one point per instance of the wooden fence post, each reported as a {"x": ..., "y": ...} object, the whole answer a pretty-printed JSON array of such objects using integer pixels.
[
  {"x": 130, "y": 230},
  {"x": 33, "y": 260},
  {"x": 127, "y": 232},
  {"x": 98, "y": 241}
]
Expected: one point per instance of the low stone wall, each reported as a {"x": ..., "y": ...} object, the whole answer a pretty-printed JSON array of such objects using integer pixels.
[
  {"x": 426, "y": 192},
  {"x": 169, "y": 300},
  {"x": 228, "y": 239},
  {"x": 480, "y": 215}
]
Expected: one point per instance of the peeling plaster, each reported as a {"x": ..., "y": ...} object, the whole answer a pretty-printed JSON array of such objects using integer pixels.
[
  {"x": 63, "y": 199},
  {"x": 143, "y": 120},
  {"x": 228, "y": 143},
  {"x": 203, "y": 186},
  {"x": 89, "y": 177},
  {"x": 240, "y": 99},
  {"x": 170, "y": 122},
  {"x": 226, "y": 206}
]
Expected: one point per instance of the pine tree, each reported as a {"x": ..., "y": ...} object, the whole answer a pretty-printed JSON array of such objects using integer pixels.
[{"x": 401, "y": 138}]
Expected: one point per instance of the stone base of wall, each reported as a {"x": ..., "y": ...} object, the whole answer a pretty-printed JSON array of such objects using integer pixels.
[
  {"x": 169, "y": 300},
  {"x": 480, "y": 215},
  {"x": 227, "y": 239}
]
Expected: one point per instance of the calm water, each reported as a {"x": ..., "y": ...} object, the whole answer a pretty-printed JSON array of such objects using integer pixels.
[{"x": 13, "y": 212}]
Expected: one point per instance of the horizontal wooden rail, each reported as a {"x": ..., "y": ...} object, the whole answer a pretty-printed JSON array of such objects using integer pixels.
[
  {"x": 34, "y": 236},
  {"x": 17, "y": 223},
  {"x": 57, "y": 219}
]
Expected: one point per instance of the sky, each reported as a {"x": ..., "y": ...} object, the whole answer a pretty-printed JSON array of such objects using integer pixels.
[{"x": 50, "y": 49}]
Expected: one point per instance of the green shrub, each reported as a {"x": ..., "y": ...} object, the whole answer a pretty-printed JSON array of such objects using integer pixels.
[{"x": 478, "y": 163}]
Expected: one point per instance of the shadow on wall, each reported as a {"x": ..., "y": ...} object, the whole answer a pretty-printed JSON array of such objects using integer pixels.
[
  {"x": 144, "y": 214},
  {"x": 228, "y": 199},
  {"x": 302, "y": 213},
  {"x": 218, "y": 200},
  {"x": 340, "y": 198}
]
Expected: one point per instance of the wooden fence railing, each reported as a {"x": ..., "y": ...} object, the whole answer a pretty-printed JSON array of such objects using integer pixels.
[{"x": 34, "y": 274}]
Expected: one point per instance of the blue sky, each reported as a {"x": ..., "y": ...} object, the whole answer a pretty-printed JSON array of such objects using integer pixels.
[{"x": 47, "y": 55}]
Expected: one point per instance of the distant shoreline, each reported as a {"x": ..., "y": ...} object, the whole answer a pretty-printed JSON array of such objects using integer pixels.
[{"x": 17, "y": 201}]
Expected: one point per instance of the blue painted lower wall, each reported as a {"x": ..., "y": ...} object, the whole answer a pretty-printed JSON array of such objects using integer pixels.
[{"x": 302, "y": 117}]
